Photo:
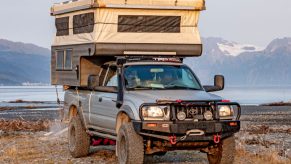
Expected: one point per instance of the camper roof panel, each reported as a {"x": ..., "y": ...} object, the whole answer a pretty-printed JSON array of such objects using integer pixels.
[{"x": 76, "y": 5}]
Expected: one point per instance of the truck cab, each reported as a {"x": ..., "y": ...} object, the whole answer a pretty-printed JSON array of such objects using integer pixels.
[{"x": 150, "y": 106}]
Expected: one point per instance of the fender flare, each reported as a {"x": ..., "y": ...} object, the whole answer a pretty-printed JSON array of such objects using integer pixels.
[
  {"x": 79, "y": 113},
  {"x": 120, "y": 119},
  {"x": 128, "y": 111}
]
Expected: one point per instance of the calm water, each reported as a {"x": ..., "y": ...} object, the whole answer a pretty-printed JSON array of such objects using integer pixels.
[
  {"x": 243, "y": 95},
  {"x": 33, "y": 93}
]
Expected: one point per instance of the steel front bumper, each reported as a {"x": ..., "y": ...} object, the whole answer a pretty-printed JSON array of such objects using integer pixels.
[{"x": 187, "y": 131}]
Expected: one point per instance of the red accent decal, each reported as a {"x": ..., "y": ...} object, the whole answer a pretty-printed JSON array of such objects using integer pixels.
[
  {"x": 225, "y": 101},
  {"x": 179, "y": 101}
]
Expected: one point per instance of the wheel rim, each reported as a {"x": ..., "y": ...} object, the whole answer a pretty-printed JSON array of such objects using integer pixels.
[
  {"x": 72, "y": 141},
  {"x": 123, "y": 152}
]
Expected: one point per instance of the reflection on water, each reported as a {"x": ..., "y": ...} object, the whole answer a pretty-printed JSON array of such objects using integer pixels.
[{"x": 244, "y": 95}]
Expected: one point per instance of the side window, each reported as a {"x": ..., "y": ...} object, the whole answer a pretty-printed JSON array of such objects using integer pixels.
[
  {"x": 68, "y": 59},
  {"x": 102, "y": 75},
  {"x": 64, "y": 59},
  {"x": 62, "y": 25},
  {"x": 83, "y": 23},
  {"x": 111, "y": 79},
  {"x": 60, "y": 59},
  {"x": 112, "y": 82}
]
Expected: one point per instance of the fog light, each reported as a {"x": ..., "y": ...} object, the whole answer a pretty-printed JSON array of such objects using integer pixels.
[
  {"x": 208, "y": 115},
  {"x": 181, "y": 116}
]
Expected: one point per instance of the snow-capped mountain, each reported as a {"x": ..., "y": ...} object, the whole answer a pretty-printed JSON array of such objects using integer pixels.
[
  {"x": 235, "y": 49},
  {"x": 244, "y": 65}
]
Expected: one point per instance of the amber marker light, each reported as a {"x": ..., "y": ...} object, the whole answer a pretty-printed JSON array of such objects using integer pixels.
[
  {"x": 151, "y": 125},
  {"x": 233, "y": 123}
]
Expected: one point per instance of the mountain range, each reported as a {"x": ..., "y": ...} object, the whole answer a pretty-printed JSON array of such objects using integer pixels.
[
  {"x": 241, "y": 64},
  {"x": 22, "y": 63}
]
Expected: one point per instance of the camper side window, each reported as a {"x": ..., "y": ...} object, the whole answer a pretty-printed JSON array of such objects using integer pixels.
[
  {"x": 83, "y": 23},
  {"x": 60, "y": 59},
  {"x": 149, "y": 24},
  {"x": 64, "y": 59},
  {"x": 62, "y": 25},
  {"x": 68, "y": 59}
]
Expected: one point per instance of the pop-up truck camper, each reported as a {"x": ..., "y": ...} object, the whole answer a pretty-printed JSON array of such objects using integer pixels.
[{"x": 121, "y": 65}]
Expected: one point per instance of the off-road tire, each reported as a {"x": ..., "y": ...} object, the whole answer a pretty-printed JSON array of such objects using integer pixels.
[
  {"x": 223, "y": 153},
  {"x": 130, "y": 145},
  {"x": 79, "y": 140}
]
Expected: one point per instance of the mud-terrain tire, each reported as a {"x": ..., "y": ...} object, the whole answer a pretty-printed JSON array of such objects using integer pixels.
[
  {"x": 224, "y": 153},
  {"x": 130, "y": 145},
  {"x": 79, "y": 140}
]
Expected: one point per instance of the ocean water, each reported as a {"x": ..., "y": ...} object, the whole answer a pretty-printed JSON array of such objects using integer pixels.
[
  {"x": 257, "y": 95},
  {"x": 30, "y": 93},
  {"x": 244, "y": 95}
]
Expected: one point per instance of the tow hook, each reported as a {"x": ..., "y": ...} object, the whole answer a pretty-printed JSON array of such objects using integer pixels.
[
  {"x": 173, "y": 139},
  {"x": 216, "y": 138}
]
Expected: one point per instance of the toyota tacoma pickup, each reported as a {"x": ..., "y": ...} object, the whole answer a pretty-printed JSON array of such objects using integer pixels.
[{"x": 149, "y": 106}]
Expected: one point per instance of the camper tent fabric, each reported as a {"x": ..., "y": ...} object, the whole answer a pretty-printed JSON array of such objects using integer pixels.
[
  {"x": 106, "y": 28},
  {"x": 131, "y": 25}
]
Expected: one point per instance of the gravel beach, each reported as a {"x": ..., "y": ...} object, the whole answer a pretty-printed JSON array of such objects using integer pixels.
[{"x": 33, "y": 133}]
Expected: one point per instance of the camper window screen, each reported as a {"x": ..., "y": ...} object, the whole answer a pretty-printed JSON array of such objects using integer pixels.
[
  {"x": 155, "y": 24},
  {"x": 60, "y": 60},
  {"x": 83, "y": 23},
  {"x": 68, "y": 59},
  {"x": 62, "y": 25}
]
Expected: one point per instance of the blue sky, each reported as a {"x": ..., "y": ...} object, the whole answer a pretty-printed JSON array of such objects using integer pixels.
[{"x": 245, "y": 21}]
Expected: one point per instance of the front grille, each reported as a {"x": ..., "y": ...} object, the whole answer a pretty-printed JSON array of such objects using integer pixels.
[{"x": 193, "y": 111}]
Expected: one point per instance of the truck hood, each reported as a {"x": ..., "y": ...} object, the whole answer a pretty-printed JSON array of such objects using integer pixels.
[{"x": 150, "y": 96}]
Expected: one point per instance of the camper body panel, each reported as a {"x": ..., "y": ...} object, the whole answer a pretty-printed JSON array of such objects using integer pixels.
[{"x": 65, "y": 67}]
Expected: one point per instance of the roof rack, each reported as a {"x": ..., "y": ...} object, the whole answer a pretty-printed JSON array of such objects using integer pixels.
[{"x": 128, "y": 59}]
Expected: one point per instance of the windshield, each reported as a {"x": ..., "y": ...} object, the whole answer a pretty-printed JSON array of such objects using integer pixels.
[{"x": 160, "y": 77}]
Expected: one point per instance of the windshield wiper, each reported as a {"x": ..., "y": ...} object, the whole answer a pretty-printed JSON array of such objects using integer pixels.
[
  {"x": 180, "y": 87},
  {"x": 141, "y": 87}
]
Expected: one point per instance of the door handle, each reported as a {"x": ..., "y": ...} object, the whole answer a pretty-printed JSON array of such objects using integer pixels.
[
  {"x": 100, "y": 99},
  {"x": 114, "y": 101}
]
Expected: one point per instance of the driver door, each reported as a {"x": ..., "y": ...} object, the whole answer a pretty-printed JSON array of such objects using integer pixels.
[{"x": 104, "y": 104}]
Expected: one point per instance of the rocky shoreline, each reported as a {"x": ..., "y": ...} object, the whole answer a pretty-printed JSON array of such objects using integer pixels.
[{"x": 37, "y": 135}]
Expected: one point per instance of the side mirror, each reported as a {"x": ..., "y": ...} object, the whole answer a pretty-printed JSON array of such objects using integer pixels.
[
  {"x": 218, "y": 84},
  {"x": 93, "y": 81}
]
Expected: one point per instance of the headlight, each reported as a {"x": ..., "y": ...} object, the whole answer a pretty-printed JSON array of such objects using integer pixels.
[
  {"x": 155, "y": 113},
  {"x": 225, "y": 111}
]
